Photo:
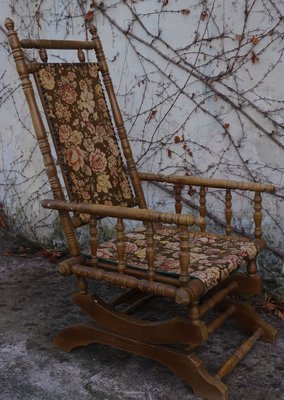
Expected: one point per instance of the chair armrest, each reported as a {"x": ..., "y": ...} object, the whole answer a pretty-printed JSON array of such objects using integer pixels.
[
  {"x": 207, "y": 182},
  {"x": 138, "y": 214}
]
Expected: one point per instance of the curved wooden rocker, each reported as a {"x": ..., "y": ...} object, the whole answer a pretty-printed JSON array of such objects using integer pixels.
[{"x": 75, "y": 100}]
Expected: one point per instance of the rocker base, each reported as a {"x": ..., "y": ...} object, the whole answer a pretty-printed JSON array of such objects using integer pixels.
[
  {"x": 184, "y": 364},
  {"x": 154, "y": 339}
]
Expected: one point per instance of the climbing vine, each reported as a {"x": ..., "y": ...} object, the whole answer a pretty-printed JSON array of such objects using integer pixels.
[{"x": 199, "y": 86}]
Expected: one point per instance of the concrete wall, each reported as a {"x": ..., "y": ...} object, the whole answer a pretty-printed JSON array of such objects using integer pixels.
[{"x": 200, "y": 86}]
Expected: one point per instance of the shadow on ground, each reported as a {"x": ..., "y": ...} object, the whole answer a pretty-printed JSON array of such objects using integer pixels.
[{"x": 35, "y": 302}]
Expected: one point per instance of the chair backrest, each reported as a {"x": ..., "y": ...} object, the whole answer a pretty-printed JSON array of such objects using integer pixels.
[
  {"x": 76, "y": 106},
  {"x": 82, "y": 132}
]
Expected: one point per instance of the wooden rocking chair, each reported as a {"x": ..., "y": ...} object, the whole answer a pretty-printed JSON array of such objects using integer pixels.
[{"x": 164, "y": 258}]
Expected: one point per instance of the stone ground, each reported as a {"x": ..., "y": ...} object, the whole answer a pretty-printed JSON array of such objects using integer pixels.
[{"x": 35, "y": 302}]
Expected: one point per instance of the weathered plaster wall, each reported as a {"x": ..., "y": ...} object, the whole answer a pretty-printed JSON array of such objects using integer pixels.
[{"x": 200, "y": 86}]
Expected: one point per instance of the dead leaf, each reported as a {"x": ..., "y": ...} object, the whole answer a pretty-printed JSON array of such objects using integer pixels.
[
  {"x": 280, "y": 314},
  {"x": 203, "y": 15},
  {"x": 274, "y": 307},
  {"x": 269, "y": 307},
  {"x": 51, "y": 254},
  {"x": 187, "y": 149},
  {"x": 185, "y": 11},
  {"x": 177, "y": 139},
  {"x": 152, "y": 115},
  {"x": 169, "y": 153},
  {"x": 89, "y": 15},
  {"x": 254, "y": 40},
  {"x": 254, "y": 58},
  {"x": 226, "y": 126}
]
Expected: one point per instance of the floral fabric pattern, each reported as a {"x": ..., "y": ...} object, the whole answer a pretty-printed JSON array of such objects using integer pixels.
[
  {"x": 212, "y": 257},
  {"x": 83, "y": 134}
]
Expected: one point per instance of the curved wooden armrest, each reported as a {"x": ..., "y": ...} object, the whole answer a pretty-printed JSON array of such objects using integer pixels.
[
  {"x": 138, "y": 214},
  {"x": 207, "y": 182}
]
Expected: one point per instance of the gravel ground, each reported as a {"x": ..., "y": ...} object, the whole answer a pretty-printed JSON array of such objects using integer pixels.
[{"x": 35, "y": 302}]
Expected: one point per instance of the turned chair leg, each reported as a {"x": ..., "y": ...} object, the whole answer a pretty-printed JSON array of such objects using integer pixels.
[{"x": 252, "y": 269}]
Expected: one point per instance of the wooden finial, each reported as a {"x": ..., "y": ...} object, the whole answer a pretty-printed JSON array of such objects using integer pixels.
[
  {"x": 93, "y": 30},
  {"x": 9, "y": 24}
]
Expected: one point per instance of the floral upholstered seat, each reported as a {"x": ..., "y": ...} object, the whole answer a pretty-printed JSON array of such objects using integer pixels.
[{"x": 212, "y": 257}]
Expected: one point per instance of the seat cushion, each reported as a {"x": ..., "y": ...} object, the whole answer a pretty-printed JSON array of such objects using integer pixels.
[{"x": 213, "y": 257}]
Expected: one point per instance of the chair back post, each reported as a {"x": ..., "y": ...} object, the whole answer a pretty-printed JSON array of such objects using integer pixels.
[
  {"x": 44, "y": 146},
  {"x": 118, "y": 118}
]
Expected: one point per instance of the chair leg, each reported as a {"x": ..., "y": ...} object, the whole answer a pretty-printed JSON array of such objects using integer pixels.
[{"x": 184, "y": 364}]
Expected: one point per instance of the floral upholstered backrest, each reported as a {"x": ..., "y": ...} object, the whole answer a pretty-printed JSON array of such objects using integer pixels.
[{"x": 83, "y": 134}]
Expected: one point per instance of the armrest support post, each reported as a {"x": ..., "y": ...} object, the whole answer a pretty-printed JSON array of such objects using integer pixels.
[
  {"x": 94, "y": 239},
  {"x": 120, "y": 245},
  {"x": 257, "y": 215},
  {"x": 228, "y": 212},
  {"x": 184, "y": 257},
  {"x": 202, "y": 206}
]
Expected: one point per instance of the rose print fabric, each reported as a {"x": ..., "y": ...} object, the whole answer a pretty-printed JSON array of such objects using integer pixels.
[
  {"x": 83, "y": 134},
  {"x": 212, "y": 257}
]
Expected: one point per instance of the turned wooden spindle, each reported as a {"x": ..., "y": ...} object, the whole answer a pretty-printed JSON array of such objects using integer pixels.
[
  {"x": 131, "y": 166},
  {"x": 22, "y": 68},
  {"x": 202, "y": 206},
  {"x": 228, "y": 212},
  {"x": 193, "y": 312},
  {"x": 218, "y": 322},
  {"x": 257, "y": 215},
  {"x": 120, "y": 245},
  {"x": 252, "y": 269},
  {"x": 150, "y": 250},
  {"x": 82, "y": 284},
  {"x": 184, "y": 256},
  {"x": 178, "y": 204},
  {"x": 43, "y": 55},
  {"x": 81, "y": 56},
  {"x": 239, "y": 354},
  {"x": 94, "y": 239}
]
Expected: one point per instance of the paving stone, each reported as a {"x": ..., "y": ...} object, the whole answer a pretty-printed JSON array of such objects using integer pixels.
[{"x": 35, "y": 302}]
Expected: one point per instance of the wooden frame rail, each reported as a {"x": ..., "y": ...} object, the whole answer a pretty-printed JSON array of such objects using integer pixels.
[
  {"x": 137, "y": 214},
  {"x": 56, "y": 44},
  {"x": 180, "y": 181},
  {"x": 207, "y": 182}
]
